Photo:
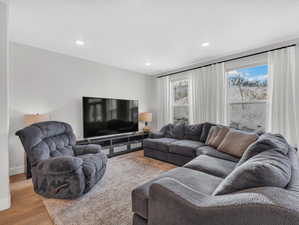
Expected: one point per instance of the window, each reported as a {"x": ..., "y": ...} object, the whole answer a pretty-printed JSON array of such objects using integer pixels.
[
  {"x": 180, "y": 101},
  {"x": 247, "y": 97}
]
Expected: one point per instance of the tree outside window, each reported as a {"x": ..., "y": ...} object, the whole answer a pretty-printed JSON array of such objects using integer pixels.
[{"x": 247, "y": 97}]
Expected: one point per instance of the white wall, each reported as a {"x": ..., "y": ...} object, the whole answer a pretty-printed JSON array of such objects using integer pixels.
[
  {"x": 4, "y": 180},
  {"x": 297, "y": 60},
  {"x": 46, "y": 82}
]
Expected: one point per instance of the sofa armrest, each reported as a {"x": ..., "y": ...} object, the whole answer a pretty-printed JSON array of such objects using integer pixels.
[
  {"x": 86, "y": 149},
  {"x": 59, "y": 165},
  {"x": 156, "y": 135},
  {"x": 173, "y": 203}
]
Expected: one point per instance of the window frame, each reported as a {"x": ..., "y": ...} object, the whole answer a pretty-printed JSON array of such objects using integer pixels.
[
  {"x": 260, "y": 61},
  {"x": 190, "y": 103}
]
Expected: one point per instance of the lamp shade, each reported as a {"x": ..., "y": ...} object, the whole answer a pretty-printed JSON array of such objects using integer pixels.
[
  {"x": 35, "y": 118},
  {"x": 146, "y": 117}
]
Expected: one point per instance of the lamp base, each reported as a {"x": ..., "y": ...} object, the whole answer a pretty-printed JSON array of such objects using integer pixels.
[{"x": 146, "y": 129}]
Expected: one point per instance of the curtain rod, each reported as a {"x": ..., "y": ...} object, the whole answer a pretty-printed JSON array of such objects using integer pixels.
[{"x": 227, "y": 60}]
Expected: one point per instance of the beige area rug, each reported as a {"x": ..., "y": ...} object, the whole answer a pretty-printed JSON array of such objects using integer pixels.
[{"x": 109, "y": 202}]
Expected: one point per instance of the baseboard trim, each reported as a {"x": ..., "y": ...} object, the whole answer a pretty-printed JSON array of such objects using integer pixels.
[
  {"x": 4, "y": 203},
  {"x": 16, "y": 170}
]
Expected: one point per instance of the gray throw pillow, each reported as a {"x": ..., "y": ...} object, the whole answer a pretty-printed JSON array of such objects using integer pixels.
[
  {"x": 269, "y": 168},
  {"x": 166, "y": 130},
  {"x": 266, "y": 142}
]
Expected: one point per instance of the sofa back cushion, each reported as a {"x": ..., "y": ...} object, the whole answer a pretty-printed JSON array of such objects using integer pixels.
[
  {"x": 193, "y": 132},
  {"x": 236, "y": 142},
  {"x": 205, "y": 131},
  {"x": 174, "y": 131},
  {"x": 266, "y": 142},
  {"x": 216, "y": 135},
  {"x": 269, "y": 168}
]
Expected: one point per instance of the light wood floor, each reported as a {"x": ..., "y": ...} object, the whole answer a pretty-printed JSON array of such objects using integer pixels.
[{"x": 28, "y": 208}]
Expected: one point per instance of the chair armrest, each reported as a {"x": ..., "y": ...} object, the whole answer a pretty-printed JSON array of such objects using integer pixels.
[
  {"x": 173, "y": 203},
  {"x": 59, "y": 177},
  {"x": 156, "y": 135},
  {"x": 59, "y": 165},
  {"x": 86, "y": 149}
]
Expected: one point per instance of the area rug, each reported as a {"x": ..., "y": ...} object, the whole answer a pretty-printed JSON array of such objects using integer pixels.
[{"x": 109, "y": 202}]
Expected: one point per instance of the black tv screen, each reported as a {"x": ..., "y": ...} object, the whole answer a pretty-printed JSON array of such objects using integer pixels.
[{"x": 107, "y": 116}]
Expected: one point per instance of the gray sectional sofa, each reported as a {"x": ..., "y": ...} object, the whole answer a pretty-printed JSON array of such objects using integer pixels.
[
  {"x": 180, "y": 144},
  {"x": 214, "y": 188}
]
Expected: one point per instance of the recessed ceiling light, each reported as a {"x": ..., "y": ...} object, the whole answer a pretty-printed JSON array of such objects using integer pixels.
[
  {"x": 148, "y": 63},
  {"x": 205, "y": 44},
  {"x": 80, "y": 42}
]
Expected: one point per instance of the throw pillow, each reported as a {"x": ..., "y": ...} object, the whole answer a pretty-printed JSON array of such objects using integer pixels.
[
  {"x": 266, "y": 142},
  {"x": 268, "y": 168},
  {"x": 205, "y": 131},
  {"x": 216, "y": 135},
  {"x": 236, "y": 142},
  {"x": 166, "y": 130}
]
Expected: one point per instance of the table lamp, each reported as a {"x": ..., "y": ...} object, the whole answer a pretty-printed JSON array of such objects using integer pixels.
[
  {"x": 35, "y": 118},
  {"x": 146, "y": 117}
]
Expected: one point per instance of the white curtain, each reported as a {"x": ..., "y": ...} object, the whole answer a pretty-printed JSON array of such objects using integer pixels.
[
  {"x": 163, "y": 101},
  {"x": 209, "y": 89},
  {"x": 283, "y": 101}
]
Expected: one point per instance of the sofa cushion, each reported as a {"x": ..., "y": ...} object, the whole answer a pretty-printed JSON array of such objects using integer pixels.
[
  {"x": 214, "y": 166},
  {"x": 178, "y": 131},
  {"x": 193, "y": 132},
  {"x": 236, "y": 142},
  {"x": 157, "y": 134},
  {"x": 294, "y": 182},
  {"x": 216, "y": 135},
  {"x": 205, "y": 131},
  {"x": 196, "y": 180},
  {"x": 208, "y": 150},
  {"x": 160, "y": 144},
  {"x": 185, "y": 147},
  {"x": 269, "y": 168},
  {"x": 175, "y": 131},
  {"x": 266, "y": 142}
]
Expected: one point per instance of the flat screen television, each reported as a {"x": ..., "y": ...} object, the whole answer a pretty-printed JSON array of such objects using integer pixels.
[{"x": 107, "y": 116}]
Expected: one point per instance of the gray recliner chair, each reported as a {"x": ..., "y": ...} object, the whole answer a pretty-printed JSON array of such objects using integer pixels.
[{"x": 60, "y": 168}]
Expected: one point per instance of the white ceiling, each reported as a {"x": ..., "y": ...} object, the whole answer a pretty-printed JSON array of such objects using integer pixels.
[{"x": 167, "y": 33}]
